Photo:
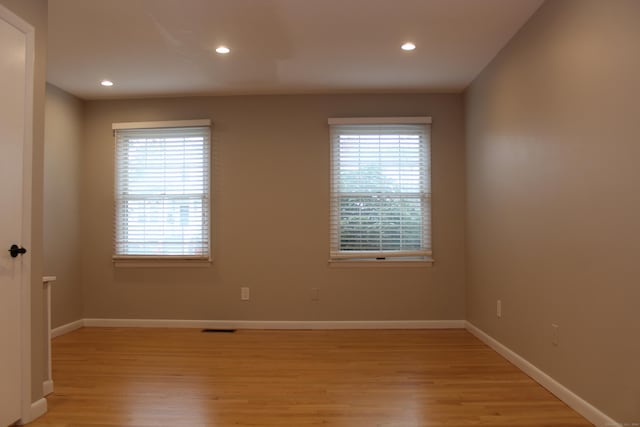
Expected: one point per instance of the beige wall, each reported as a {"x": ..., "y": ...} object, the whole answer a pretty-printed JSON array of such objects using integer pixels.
[
  {"x": 35, "y": 13},
  {"x": 270, "y": 216},
  {"x": 553, "y": 142},
  {"x": 62, "y": 148}
]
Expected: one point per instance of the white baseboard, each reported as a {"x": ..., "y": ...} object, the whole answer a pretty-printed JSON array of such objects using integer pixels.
[
  {"x": 277, "y": 324},
  {"x": 578, "y": 404},
  {"x": 37, "y": 409},
  {"x": 65, "y": 329},
  {"x": 47, "y": 387},
  {"x": 259, "y": 324}
]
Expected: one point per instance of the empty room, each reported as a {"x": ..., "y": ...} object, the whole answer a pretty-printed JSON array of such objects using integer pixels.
[{"x": 348, "y": 213}]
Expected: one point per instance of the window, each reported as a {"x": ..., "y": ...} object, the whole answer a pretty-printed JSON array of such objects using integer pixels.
[
  {"x": 162, "y": 190},
  {"x": 380, "y": 189}
]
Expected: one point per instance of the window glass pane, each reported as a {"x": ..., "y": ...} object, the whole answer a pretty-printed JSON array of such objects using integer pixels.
[
  {"x": 380, "y": 189},
  {"x": 380, "y": 223},
  {"x": 162, "y": 192}
]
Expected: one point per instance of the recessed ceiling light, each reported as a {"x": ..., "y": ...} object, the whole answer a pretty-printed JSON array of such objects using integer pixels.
[
  {"x": 223, "y": 50},
  {"x": 106, "y": 83},
  {"x": 408, "y": 46}
]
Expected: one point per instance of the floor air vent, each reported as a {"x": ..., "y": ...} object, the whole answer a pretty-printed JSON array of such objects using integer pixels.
[{"x": 227, "y": 331}]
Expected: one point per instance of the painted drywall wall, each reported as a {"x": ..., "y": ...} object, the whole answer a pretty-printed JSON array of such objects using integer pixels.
[
  {"x": 553, "y": 200},
  {"x": 62, "y": 148},
  {"x": 35, "y": 13},
  {"x": 271, "y": 216}
]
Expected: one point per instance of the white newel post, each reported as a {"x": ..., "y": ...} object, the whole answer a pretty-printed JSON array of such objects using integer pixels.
[{"x": 47, "y": 385}]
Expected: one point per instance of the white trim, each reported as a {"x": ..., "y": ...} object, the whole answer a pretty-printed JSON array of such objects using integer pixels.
[
  {"x": 377, "y": 263},
  {"x": 276, "y": 324},
  {"x": 40, "y": 407},
  {"x": 338, "y": 255},
  {"x": 574, "y": 401},
  {"x": 47, "y": 387},
  {"x": 36, "y": 410},
  {"x": 161, "y": 124},
  {"x": 160, "y": 261},
  {"x": 65, "y": 329},
  {"x": 378, "y": 120}
]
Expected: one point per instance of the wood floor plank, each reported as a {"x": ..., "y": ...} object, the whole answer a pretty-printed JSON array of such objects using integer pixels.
[{"x": 108, "y": 377}]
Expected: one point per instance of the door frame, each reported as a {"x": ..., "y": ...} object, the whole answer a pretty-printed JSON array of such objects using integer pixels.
[{"x": 28, "y": 410}]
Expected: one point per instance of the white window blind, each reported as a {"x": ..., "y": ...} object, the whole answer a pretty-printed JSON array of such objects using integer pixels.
[
  {"x": 380, "y": 188},
  {"x": 162, "y": 191}
]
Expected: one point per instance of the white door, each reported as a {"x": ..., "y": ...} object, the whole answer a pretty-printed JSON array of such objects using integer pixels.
[{"x": 13, "y": 45}]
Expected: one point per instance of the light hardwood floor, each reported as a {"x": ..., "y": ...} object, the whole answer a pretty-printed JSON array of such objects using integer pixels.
[{"x": 106, "y": 377}]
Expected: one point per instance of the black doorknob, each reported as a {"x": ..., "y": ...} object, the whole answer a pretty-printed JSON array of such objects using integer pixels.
[{"x": 16, "y": 250}]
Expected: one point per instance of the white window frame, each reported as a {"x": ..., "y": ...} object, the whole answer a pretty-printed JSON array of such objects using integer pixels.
[
  {"x": 341, "y": 258},
  {"x": 124, "y": 260}
]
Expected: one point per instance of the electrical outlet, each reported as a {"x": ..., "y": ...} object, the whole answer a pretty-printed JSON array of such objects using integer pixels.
[
  {"x": 315, "y": 294},
  {"x": 499, "y": 308},
  {"x": 555, "y": 338},
  {"x": 244, "y": 294}
]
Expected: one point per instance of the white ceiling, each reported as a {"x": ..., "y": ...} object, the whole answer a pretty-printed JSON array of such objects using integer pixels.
[{"x": 166, "y": 47}]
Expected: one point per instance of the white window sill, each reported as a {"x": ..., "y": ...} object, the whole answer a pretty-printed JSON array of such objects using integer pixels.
[
  {"x": 160, "y": 262},
  {"x": 381, "y": 263}
]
